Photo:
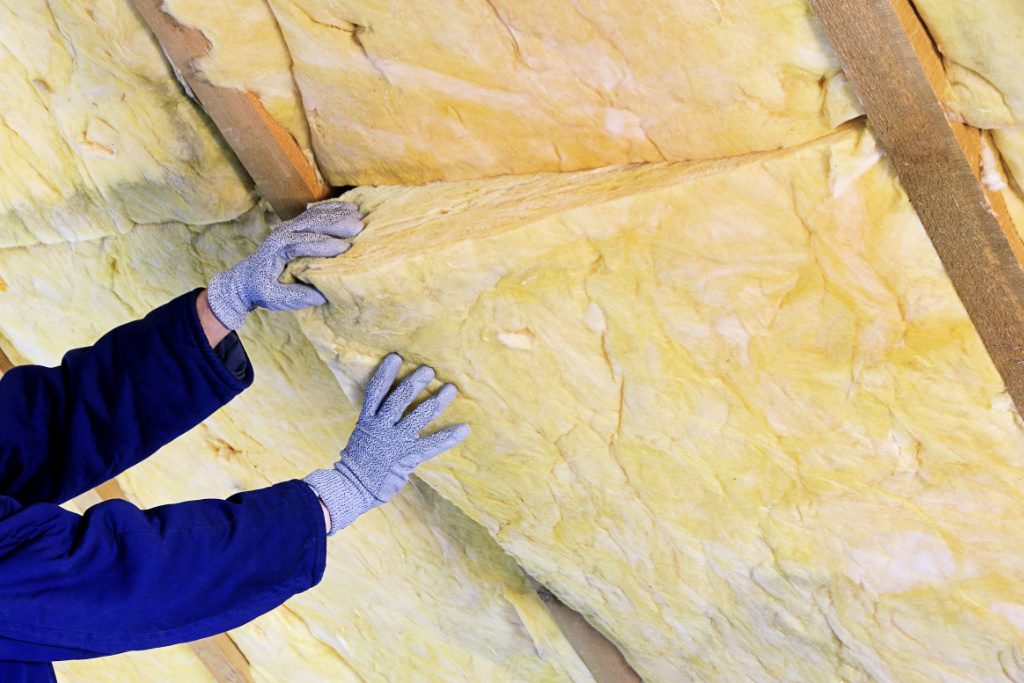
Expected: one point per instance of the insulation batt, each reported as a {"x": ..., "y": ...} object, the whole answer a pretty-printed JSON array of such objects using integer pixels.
[
  {"x": 413, "y": 591},
  {"x": 981, "y": 44},
  {"x": 410, "y": 91},
  {"x": 95, "y": 133},
  {"x": 733, "y": 411}
]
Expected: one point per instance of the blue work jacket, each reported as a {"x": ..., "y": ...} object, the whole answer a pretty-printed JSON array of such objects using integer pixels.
[{"x": 120, "y": 578}]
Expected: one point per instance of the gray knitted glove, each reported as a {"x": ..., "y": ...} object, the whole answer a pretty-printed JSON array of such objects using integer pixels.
[
  {"x": 385, "y": 447},
  {"x": 254, "y": 281}
]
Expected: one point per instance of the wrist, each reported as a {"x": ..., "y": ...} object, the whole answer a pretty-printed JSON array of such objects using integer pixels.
[
  {"x": 327, "y": 515},
  {"x": 344, "y": 500},
  {"x": 214, "y": 330}
]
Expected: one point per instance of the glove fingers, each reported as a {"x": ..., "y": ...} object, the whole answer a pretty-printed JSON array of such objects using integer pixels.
[
  {"x": 325, "y": 210},
  {"x": 380, "y": 383},
  {"x": 292, "y": 297},
  {"x": 395, "y": 404},
  {"x": 345, "y": 227},
  {"x": 440, "y": 441},
  {"x": 337, "y": 219},
  {"x": 422, "y": 414},
  {"x": 315, "y": 245}
]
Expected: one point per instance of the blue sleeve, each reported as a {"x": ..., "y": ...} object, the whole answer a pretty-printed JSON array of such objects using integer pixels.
[
  {"x": 119, "y": 578},
  {"x": 66, "y": 429}
]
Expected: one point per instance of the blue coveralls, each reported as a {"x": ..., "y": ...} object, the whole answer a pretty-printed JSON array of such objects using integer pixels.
[{"x": 119, "y": 578}]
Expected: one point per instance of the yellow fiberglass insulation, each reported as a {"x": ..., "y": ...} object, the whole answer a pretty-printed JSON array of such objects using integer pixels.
[
  {"x": 410, "y": 91},
  {"x": 1010, "y": 142},
  {"x": 95, "y": 133},
  {"x": 982, "y": 45},
  {"x": 733, "y": 412},
  {"x": 415, "y": 590}
]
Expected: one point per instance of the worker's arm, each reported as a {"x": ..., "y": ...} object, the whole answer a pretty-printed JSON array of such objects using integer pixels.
[
  {"x": 119, "y": 578},
  {"x": 106, "y": 407}
]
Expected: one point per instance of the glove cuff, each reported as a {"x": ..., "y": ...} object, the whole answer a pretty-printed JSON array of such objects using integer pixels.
[
  {"x": 345, "y": 499},
  {"x": 225, "y": 303}
]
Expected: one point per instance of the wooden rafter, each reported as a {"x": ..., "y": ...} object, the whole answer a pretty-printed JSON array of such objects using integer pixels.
[
  {"x": 266, "y": 149},
  {"x": 895, "y": 70},
  {"x": 600, "y": 656}
]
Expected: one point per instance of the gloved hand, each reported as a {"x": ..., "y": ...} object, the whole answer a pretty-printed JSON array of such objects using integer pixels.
[
  {"x": 254, "y": 281},
  {"x": 385, "y": 447}
]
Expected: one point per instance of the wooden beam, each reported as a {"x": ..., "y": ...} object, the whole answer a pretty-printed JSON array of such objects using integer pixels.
[
  {"x": 601, "y": 657},
  {"x": 222, "y": 658},
  {"x": 885, "y": 52},
  {"x": 280, "y": 170}
]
